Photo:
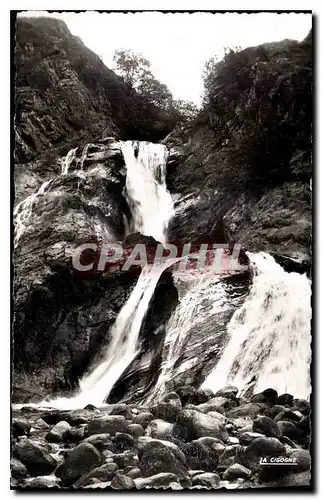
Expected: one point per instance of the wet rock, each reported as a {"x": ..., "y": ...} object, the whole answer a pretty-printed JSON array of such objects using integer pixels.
[
  {"x": 275, "y": 410},
  {"x": 162, "y": 480},
  {"x": 284, "y": 399},
  {"x": 144, "y": 440},
  {"x": 267, "y": 426},
  {"x": 229, "y": 455},
  {"x": 126, "y": 459},
  {"x": 134, "y": 473},
  {"x": 207, "y": 480},
  {"x": 122, "y": 442},
  {"x": 201, "y": 425},
  {"x": 110, "y": 424},
  {"x": 155, "y": 457},
  {"x": 74, "y": 434},
  {"x": 81, "y": 460},
  {"x": 122, "y": 482},
  {"x": 44, "y": 482},
  {"x": 269, "y": 397},
  {"x": 263, "y": 447},
  {"x": 246, "y": 438},
  {"x": 289, "y": 430},
  {"x": 58, "y": 433},
  {"x": 246, "y": 410},
  {"x": 100, "y": 441},
  {"x": 302, "y": 458},
  {"x": 35, "y": 458},
  {"x": 187, "y": 394},
  {"x": 135, "y": 430},
  {"x": 122, "y": 409},
  {"x": 287, "y": 414},
  {"x": 18, "y": 469},
  {"x": 301, "y": 405},
  {"x": 143, "y": 418},
  {"x": 201, "y": 455},
  {"x": 169, "y": 411},
  {"x": 159, "y": 429},
  {"x": 203, "y": 395},
  {"x": 236, "y": 471},
  {"x": 103, "y": 473},
  {"x": 20, "y": 427},
  {"x": 229, "y": 392}
]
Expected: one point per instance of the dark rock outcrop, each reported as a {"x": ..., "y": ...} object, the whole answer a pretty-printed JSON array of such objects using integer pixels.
[{"x": 242, "y": 169}]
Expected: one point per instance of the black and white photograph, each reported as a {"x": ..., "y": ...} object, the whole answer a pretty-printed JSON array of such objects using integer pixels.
[{"x": 162, "y": 183}]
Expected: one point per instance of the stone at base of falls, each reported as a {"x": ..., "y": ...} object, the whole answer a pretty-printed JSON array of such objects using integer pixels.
[
  {"x": 235, "y": 471},
  {"x": 18, "y": 469},
  {"x": 59, "y": 432},
  {"x": 37, "y": 460},
  {"x": 122, "y": 482},
  {"x": 81, "y": 460},
  {"x": 207, "y": 480},
  {"x": 156, "y": 457},
  {"x": 103, "y": 473},
  {"x": 157, "y": 453},
  {"x": 267, "y": 426}
]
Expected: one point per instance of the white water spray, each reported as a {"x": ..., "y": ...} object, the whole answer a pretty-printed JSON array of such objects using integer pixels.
[
  {"x": 269, "y": 335},
  {"x": 150, "y": 201}
]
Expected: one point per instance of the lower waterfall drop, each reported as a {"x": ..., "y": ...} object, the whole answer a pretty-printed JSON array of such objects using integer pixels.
[
  {"x": 123, "y": 345},
  {"x": 150, "y": 201},
  {"x": 269, "y": 335}
]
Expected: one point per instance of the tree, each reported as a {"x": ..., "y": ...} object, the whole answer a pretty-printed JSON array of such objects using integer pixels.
[
  {"x": 186, "y": 110},
  {"x": 131, "y": 66}
]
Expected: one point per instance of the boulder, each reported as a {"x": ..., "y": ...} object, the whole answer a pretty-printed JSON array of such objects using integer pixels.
[
  {"x": 202, "y": 455},
  {"x": 134, "y": 472},
  {"x": 284, "y": 399},
  {"x": 135, "y": 430},
  {"x": 43, "y": 482},
  {"x": 162, "y": 480},
  {"x": 246, "y": 410},
  {"x": 168, "y": 411},
  {"x": 155, "y": 457},
  {"x": 81, "y": 460},
  {"x": 187, "y": 394},
  {"x": 144, "y": 440},
  {"x": 143, "y": 418},
  {"x": 122, "y": 442},
  {"x": 159, "y": 429},
  {"x": 74, "y": 434},
  {"x": 301, "y": 405},
  {"x": 302, "y": 458},
  {"x": 34, "y": 457},
  {"x": 245, "y": 438},
  {"x": 263, "y": 447},
  {"x": 100, "y": 441},
  {"x": 110, "y": 424},
  {"x": 275, "y": 410},
  {"x": 58, "y": 433},
  {"x": 103, "y": 473},
  {"x": 289, "y": 430},
  {"x": 206, "y": 480},
  {"x": 269, "y": 397},
  {"x": 20, "y": 427},
  {"x": 126, "y": 459},
  {"x": 122, "y": 409},
  {"x": 229, "y": 391},
  {"x": 122, "y": 482},
  {"x": 18, "y": 469},
  {"x": 201, "y": 425},
  {"x": 267, "y": 426},
  {"x": 236, "y": 471}
]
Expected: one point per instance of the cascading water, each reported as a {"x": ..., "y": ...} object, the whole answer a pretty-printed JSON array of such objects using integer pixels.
[
  {"x": 150, "y": 201},
  {"x": 269, "y": 335},
  {"x": 123, "y": 346}
]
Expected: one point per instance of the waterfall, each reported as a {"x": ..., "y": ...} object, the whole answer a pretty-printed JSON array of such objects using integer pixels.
[
  {"x": 123, "y": 344},
  {"x": 150, "y": 201},
  {"x": 67, "y": 160},
  {"x": 269, "y": 335}
]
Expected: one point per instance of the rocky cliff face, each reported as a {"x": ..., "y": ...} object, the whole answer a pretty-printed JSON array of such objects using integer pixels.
[
  {"x": 243, "y": 168},
  {"x": 62, "y": 317},
  {"x": 65, "y": 96}
]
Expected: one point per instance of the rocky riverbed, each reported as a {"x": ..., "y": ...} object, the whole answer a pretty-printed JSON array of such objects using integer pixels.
[{"x": 192, "y": 439}]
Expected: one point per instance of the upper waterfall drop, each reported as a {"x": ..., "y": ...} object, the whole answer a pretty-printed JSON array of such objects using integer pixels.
[
  {"x": 269, "y": 335},
  {"x": 150, "y": 201}
]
